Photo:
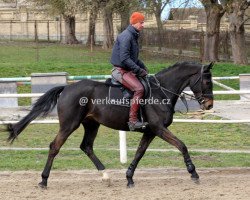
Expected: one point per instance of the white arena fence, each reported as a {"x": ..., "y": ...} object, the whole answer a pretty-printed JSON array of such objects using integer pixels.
[
  {"x": 122, "y": 134},
  {"x": 27, "y": 79},
  {"x": 189, "y": 92}
]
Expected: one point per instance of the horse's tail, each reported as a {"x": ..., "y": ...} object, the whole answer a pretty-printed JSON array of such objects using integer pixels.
[{"x": 43, "y": 106}]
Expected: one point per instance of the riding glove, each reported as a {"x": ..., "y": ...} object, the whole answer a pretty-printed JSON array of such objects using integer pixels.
[{"x": 141, "y": 72}]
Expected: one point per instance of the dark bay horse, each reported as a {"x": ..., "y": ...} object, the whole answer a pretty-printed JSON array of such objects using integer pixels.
[{"x": 166, "y": 84}]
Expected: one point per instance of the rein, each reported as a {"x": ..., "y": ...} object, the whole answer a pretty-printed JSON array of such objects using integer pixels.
[
  {"x": 200, "y": 99},
  {"x": 182, "y": 97}
]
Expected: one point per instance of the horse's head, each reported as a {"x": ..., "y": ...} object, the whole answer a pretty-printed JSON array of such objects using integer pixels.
[{"x": 202, "y": 86}]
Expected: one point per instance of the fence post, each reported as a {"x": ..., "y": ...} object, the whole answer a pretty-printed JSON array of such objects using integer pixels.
[
  {"x": 202, "y": 34},
  {"x": 226, "y": 47},
  {"x": 60, "y": 29},
  {"x": 36, "y": 41},
  {"x": 91, "y": 43},
  {"x": 245, "y": 85},
  {"x": 48, "y": 30},
  {"x": 123, "y": 147},
  {"x": 8, "y": 88},
  {"x": 11, "y": 30},
  {"x": 42, "y": 82},
  {"x": 36, "y": 35}
]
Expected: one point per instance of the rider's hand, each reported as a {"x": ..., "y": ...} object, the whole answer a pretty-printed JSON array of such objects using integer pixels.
[{"x": 142, "y": 72}]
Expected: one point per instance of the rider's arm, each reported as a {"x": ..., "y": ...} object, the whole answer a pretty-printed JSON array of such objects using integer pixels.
[
  {"x": 142, "y": 65},
  {"x": 125, "y": 54}
]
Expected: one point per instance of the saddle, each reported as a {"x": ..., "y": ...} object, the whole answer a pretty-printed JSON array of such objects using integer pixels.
[{"x": 119, "y": 95}]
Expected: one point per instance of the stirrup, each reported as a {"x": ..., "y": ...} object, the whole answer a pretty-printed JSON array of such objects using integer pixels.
[{"x": 137, "y": 125}]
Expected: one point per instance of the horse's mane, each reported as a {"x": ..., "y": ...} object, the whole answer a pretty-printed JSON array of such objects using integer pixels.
[{"x": 179, "y": 64}]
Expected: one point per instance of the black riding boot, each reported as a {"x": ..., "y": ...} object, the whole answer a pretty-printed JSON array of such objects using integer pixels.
[
  {"x": 134, "y": 123},
  {"x": 137, "y": 125}
]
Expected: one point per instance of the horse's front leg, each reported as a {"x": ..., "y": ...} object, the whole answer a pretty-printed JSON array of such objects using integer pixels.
[
  {"x": 168, "y": 136},
  {"x": 144, "y": 143}
]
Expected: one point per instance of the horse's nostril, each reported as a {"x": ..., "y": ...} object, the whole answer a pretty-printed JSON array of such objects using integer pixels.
[{"x": 210, "y": 107}]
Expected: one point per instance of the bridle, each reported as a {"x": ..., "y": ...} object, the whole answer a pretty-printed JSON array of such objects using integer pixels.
[{"x": 201, "y": 98}]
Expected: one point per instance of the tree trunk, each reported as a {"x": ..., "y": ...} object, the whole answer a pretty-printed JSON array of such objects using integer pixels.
[
  {"x": 108, "y": 37},
  {"x": 92, "y": 22},
  {"x": 237, "y": 31},
  {"x": 124, "y": 19},
  {"x": 70, "y": 37},
  {"x": 214, "y": 12},
  {"x": 159, "y": 30}
]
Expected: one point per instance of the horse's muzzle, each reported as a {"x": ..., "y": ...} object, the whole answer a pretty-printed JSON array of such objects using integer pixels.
[{"x": 207, "y": 104}]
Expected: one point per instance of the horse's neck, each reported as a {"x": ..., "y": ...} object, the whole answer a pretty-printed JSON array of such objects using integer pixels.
[{"x": 175, "y": 81}]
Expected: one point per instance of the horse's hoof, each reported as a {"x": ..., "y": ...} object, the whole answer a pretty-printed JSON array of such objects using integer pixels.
[
  {"x": 195, "y": 180},
  {"x": 106, "y": 179},
  {"x": 107, "y": 182},
  {"x": 130, "y": 185},
  {"x": 41, "y": 185}
]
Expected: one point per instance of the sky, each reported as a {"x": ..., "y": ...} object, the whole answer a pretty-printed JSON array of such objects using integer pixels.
[{"x": 180, "y": 4}]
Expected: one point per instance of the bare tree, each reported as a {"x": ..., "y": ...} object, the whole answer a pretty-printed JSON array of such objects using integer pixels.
[
  {"x": 68, "y": 10},
  {"x": 108, "y": 8},
  {"x": 235, "y": 10},
  {"x": 107, "y": 12},
  {"x": 124, "y": 9},
  {"x": 125, "y": 14},
  {"x": 214, "y": 12},
  {"x": 156, "y": 7},
  {"x": 93, "y": 13}
]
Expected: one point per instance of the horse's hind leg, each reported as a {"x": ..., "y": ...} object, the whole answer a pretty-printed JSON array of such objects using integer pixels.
[
  {"x": 144, "y": 143},
  {"x": 170, "y": 138},
  {"x": 91, "y": 128},
  {"x": 55, "y": 146}
]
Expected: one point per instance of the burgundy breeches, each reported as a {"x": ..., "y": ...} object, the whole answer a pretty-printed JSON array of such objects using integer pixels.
[{"x": 130, "y": 81}]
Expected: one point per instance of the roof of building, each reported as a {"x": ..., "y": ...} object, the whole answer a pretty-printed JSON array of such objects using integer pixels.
[{"x": 188, "y": 13}]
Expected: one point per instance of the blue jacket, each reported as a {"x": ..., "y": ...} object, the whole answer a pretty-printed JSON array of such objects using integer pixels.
[{"x": 126, "y": 51}]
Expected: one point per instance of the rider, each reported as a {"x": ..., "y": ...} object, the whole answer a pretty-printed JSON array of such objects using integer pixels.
[{"x": 127, "y": 66}]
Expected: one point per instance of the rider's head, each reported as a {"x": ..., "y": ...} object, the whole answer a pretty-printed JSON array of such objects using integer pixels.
[{"x": 137, "y": 20}]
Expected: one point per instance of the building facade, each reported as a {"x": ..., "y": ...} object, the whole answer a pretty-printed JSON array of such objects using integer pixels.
[{"x": 19, "y": 21}]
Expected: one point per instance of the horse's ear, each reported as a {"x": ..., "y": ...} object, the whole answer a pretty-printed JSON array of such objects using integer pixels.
[{"x": 210, "y": 66}]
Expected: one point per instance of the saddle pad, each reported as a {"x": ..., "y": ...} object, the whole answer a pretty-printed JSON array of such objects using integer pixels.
[{"x": 116, "y": 97}]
